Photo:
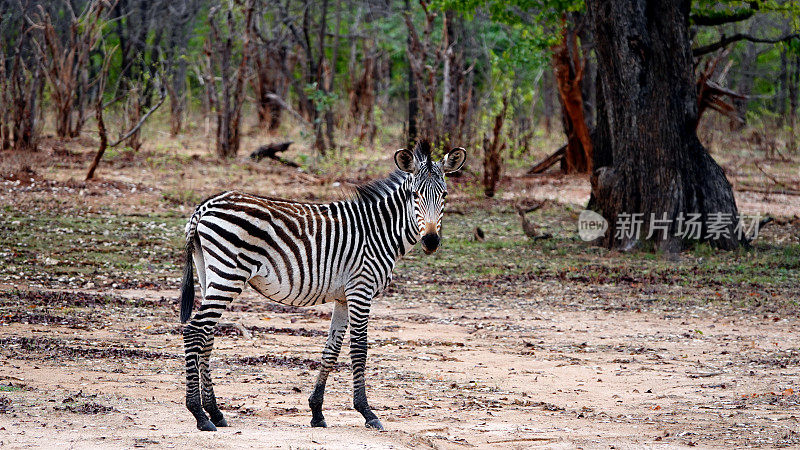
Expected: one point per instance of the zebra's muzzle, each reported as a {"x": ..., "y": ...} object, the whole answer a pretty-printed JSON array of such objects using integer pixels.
[{"x": 430, "y": 242}]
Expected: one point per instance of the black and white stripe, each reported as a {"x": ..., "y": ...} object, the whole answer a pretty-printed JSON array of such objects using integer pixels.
[{"x": 307, "y": 254}]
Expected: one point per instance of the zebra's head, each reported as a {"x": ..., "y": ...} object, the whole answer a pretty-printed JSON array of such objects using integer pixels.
[{"x": 428, "y": 188}]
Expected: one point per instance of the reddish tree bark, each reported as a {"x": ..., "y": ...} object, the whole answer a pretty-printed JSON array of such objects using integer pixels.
[
  {"x": 493, "y": 153},
  {"x": 569, "y": 70}
]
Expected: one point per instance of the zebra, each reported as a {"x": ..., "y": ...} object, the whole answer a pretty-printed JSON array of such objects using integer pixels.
[{"x": 306, "y": 254}]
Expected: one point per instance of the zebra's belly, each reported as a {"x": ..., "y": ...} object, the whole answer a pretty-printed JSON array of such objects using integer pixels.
[{"x": 284, "y": 294}]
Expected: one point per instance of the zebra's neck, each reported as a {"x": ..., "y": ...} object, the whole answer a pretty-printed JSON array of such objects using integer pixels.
[
  {"x": 406, "y": 226},
  {"x": 388, "y": 212}
]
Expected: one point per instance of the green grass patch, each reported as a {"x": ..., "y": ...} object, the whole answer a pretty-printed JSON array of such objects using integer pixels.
[
  {"x": 143, "y": 250},
  {"x": 507, "y": 252},
  {"x": 78, "y": 249}
]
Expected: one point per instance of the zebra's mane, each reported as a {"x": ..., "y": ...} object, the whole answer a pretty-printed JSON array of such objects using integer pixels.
[
  {"x": 379, "y": 189},
  {"x": 422, "y": 152}
]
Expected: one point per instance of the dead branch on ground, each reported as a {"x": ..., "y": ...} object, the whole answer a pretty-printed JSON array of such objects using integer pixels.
[
  {"x": 545, "y": 164},
  {"x": 270, "y": 151}
]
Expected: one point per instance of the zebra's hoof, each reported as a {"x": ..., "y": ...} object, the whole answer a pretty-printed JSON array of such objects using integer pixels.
[
  {"x": 206, "y": 426},
  {"x": 376, "y": 424},
  {"x": 221, "y": 422},
  {"x": 319, "y": 423}
]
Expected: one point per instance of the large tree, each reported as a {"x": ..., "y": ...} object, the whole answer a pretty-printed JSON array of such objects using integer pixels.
[{"x": 647, "y": 157}]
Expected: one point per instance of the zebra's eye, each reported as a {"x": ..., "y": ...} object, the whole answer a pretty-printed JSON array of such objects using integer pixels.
[
  {"x": 444, "y": 194},
  {"x": 415, "y": 194}
]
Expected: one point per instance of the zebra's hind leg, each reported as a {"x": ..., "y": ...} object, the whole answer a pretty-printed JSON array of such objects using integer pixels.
[
  {"x": 207, "y": 387},
  {"x": 198, "y": 337},
  {"x": 194, "y": 338},
  {"x": 329, "y": 356}
]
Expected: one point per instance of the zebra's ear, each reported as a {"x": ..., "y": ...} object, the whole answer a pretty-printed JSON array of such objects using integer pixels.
[
  {"x": 453, "y": 160},
  {"x": 405, "y": 161}
]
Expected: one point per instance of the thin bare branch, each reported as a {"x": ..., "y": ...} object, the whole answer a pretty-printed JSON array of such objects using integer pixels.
[
  {"x": 277, "y": 99},
  {"x": 142, "y": 120},
  {"x": 728, "y": 40}
]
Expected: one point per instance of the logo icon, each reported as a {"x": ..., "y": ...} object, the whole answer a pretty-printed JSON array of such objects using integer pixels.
[{"x": 591, "y": 225}]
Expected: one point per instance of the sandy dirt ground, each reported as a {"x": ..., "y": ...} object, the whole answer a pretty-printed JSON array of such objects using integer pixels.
[
  {"x": 488, "y": 363},
  {"x": 548, "y": 368}
]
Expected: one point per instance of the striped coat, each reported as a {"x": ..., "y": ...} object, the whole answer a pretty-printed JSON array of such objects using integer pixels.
[{"x": 306, "y": 254}]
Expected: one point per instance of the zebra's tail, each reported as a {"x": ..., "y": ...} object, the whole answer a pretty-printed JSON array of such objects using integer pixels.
[{"x": 187, "y": 286}]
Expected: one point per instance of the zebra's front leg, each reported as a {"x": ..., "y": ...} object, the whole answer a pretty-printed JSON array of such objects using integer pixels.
[
  {"x": 329, "y": 356},
  {"x": 358, "y": 308}
]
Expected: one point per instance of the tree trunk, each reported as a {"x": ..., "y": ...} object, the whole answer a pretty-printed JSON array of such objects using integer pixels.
[
  {"x": 569, "y": 71},
  {"x": 176, "y": 62},
  {"x": 467, "y": 111},
  {"x": 21, "y": 86},
  {"x": 424, "y": 61},
  {"x": 221, "y": 53},
  {"x": 133, "y": 112},
  {"x": 493, "y": 153},
  {"x": 744, "y": 85},
  {"x": 649, "y": 162},
  {"x": 589, "y": 80},
  {"x": 362, "y": 97},
  {"x": 269, "y": 79},
  {"x": 745, "y": 76},
  {"x": 321, "y": 118},
  {"x": 64, "y": 61},
  {"x": 548, "y": 105},
  {"x": 177, "y": 103},
  {"x": 413, "y": 109},
  {"x": 452, "y": 79},
  {"x": 26, "y": 134},
  {"x": 101, "y": 132},
  {"x": 783, "y": 85},
  {"x": 794, "y": 84}
]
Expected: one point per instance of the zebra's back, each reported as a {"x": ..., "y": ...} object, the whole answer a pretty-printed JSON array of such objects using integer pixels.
[{"x": 290, "y": 252}]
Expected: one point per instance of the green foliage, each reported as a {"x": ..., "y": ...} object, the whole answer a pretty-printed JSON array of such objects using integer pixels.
[
  {"x": 733, "y": 8},
  {"x": 757, "y": 68},
  {"x": 507, "y": 45},
  {"x": 507, "y": 254},
  {"x": 521, "y": 32},
  {"x": 324, "y": 101}
]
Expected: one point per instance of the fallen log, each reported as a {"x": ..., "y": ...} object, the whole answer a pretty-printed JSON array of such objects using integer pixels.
[
  {"x": 271, "y": 151},
  {"x": 549, "y": 161}
]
